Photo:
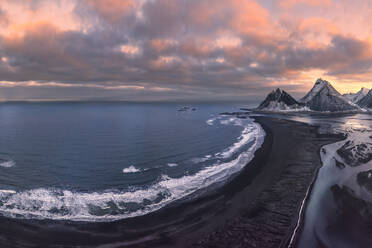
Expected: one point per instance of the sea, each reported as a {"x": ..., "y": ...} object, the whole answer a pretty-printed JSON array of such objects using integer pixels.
[{"x": 107, "y": 161}]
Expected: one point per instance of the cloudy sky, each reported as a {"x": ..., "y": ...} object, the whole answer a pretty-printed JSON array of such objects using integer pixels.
[{"x": 181, "y": 49}]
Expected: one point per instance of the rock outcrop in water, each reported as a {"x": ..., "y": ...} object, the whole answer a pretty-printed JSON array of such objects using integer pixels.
[
  {"x": 356, "y": 154},
  {"x": 364, "y": 179},
  {"x": 323, "y": 97},
  {"x": 279, "y": 100}
]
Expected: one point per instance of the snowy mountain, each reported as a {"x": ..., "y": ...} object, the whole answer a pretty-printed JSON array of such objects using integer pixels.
[
  {"x": 366, "y": 101},
  {"x": 323, "y": 97},
  {"x": 279, "y": 100},
  {"x": 319, "y": 85},
  {"x": 356, "y": 97}
]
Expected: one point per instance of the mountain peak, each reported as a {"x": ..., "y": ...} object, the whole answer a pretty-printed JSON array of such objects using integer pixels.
[
  {"x": 320, "y": 86},
  {"x": 323, "y": 97},
  {"x": 277, "y": 91},
  {"x": 278, "y": 100},
  {"x": 363, "y": 90},
  {"x": 320, "y": 81}
]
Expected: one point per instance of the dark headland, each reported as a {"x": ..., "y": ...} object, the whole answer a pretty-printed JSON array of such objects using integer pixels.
[{"x": 258, "y": 208}]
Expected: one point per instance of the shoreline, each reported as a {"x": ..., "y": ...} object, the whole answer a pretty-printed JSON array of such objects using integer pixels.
[
  {"x": 255, "y": 207},
  {"x": 140, "y": 231},
  {"x": 269, "y": 221},
  {"x": 293, "y": 240}
]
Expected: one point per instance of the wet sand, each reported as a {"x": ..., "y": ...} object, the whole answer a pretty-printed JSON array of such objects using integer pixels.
[{"x": 257, "y": 208}]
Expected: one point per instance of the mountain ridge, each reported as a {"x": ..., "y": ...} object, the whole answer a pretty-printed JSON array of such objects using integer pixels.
[
  {"x": 322, "y": 97},
  {"x": 366, "y": 101},
  {"x": 356, "y": 97}
]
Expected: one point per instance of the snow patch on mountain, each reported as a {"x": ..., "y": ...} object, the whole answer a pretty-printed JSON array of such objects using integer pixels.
[{"x": 282, "y": 107}]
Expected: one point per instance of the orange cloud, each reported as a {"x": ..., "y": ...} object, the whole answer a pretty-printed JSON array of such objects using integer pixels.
[
  {"x": 129, "y": 49},
  {"x": 161, "y": 45},
  {"x": 21, "y": 14},
  {"x": 163, "y": 62},
  {"x": 41, "y": 42},
  {"x": 316, "y": 32},
  {"x": 291, "y": 3},
  {"x": 249, "y": 17},
  {"x": 205, "y": 12},
  {"x": 197, "y": 47},
  {"x": 167, "y": 39},
  {"x": 318, "y": 24},
  {"x": 227, "y": 41},
  {"x": 113, "y": 10},
  {"x": 3, "y": 17}
]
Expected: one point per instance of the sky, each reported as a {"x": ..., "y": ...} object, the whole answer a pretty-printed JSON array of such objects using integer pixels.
[{"x": 169, "y": 50}]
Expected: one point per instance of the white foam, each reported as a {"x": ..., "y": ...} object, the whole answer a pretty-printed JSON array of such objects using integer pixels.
[
  {"x": 64, "y": 204},
  {"x": 229, "y": 121},
  {"x": 112, "y": 205},
  {"x": 7, "y": 191},
  {"x": 131, "y": 169},
  {"x": 7, "y": 164},
  {"x": 248, "y": 134},
  {"x": 210, "y": 122},
  {"x": 172, "y": 164}
]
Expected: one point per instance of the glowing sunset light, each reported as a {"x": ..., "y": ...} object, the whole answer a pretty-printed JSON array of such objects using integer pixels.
[{"x": 168, "y": 44}]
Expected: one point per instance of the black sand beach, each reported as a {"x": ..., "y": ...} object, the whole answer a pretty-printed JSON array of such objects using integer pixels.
[{"x": 257, "y": 208}]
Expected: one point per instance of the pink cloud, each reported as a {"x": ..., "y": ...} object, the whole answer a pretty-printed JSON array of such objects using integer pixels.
[
  {"x": 291, "y": 3},
  {"x": 113, "y": 10},
  {"x": 247, "y": 42}
]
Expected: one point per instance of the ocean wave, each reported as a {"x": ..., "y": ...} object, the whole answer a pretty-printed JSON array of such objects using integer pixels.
[
  {"x": 131, "y": 169},
  {"x": 50, "y": 203},
  {"x": 201, "y": 160},
  {"x": 246, "y": 136},
  {"x": 7, "y": 191},
  {"x": 7, "y": 164},
  {"x": 172, "y": 164},
  {"x": 76, "y": 206},
  {"x": 210, "y": 122}
]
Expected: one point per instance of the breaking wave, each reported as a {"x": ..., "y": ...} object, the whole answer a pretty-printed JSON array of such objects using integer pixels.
[{"x": 130, "y": 169}]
